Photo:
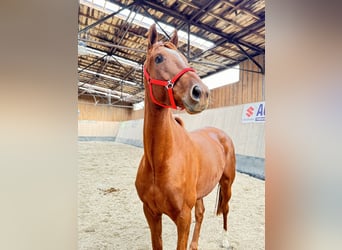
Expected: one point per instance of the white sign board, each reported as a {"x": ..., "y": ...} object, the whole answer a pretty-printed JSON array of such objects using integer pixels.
[{"x": 253, "y": 112}]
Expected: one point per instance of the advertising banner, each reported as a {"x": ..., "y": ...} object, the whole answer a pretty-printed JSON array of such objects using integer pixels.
[{"x": 253, "y": 112}]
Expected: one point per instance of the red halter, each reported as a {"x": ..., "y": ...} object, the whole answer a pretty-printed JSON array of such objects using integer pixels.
[{"x": 167, "y": 84}]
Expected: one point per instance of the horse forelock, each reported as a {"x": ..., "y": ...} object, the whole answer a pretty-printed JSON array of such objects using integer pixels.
[
  {"x": 170, "y": 45},
  {"x": 167, "y": 44}
]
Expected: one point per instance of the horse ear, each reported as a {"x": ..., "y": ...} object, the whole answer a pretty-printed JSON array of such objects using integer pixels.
[
  {"x": 152, "y": 36},
  {"x": 174, "y": 38}
]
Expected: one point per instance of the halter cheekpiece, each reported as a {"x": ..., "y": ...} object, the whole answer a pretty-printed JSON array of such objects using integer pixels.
[{"x": 167, "y": 84}]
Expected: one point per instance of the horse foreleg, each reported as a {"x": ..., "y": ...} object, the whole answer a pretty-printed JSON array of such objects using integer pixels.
[
  {"x": 199, "y": 212},
  {"x": 155, "y": 224},
  {"x": 183, "y": 227}
]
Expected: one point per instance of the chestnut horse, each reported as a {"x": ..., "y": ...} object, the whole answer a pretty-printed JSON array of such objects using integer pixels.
[{"x": 179, "y": 168}]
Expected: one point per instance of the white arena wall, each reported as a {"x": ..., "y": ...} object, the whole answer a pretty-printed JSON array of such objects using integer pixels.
[
  {"x": 248, "y": 138},
  {"x": 89, "y": 130}
]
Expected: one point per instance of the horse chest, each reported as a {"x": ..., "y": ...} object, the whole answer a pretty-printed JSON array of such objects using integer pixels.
[
  {"x": 162, "y": 200},
  {"x": 161, "y": 193}
]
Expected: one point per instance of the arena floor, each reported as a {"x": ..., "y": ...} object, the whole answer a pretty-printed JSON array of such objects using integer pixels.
[{"x": 110, "y": 214}]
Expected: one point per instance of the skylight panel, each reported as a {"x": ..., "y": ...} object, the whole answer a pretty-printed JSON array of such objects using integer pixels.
[
  {"x": 147, "y": 22},
  {"x": 100, "y": 3},
  {"x": 222, "y": 78},
  {"x": 124, "y": 13},
  {"x": 111, "y": 7},
  {"x": 139, "y": 17}
]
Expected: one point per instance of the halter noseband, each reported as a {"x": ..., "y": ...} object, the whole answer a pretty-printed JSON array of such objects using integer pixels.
[{"x": 167, "y": 84}]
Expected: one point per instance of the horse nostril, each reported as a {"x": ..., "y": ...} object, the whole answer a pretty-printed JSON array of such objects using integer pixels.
[{"x": 196, "y": 93}]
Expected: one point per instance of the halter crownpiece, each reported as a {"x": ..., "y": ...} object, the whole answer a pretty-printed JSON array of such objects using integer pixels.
[{"x": 167, "y": 84}]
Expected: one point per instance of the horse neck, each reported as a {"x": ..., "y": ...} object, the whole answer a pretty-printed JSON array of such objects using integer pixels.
[{"x": 158, "y": 130}]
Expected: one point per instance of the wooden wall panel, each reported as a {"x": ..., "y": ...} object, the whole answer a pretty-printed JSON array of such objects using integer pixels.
[
  {"x": 89, "y": 111},
  {"x": 248, "y": 89}
]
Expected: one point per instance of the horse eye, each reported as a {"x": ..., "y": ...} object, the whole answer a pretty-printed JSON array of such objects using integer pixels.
[{"x": 158, "y": 59}]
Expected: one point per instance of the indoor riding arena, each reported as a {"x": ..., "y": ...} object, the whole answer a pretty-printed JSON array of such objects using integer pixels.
[{"x": 224, "y": 42}]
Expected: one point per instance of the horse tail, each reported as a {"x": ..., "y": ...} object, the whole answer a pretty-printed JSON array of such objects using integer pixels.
[{"x": 219, "y": 201}]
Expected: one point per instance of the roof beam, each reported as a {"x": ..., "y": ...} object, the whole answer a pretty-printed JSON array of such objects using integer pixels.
[
  {"x": 262, "y": 70},
  {"x": 110, "y": 77},
  {"x": 91, "y": 64},
  {"x": 112, "y": 45},
  {"x": 202, "y": 11},
  {"x": 156, "y": 21},
  {"x": 251, "y": 29},
  {"x": 105, "y": 18},
  {"x": 238, "y": 5},
  {"x": 217, "y": 44},
  {"x": 211, "y": 14},
  {"x": 175, "y": 14}
]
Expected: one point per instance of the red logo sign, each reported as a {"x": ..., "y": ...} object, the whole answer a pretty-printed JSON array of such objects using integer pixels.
[{"x": 249, "y": 111}]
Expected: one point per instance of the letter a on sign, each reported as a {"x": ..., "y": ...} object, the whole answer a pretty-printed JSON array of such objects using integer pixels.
[{"x": 261, "y": 110}]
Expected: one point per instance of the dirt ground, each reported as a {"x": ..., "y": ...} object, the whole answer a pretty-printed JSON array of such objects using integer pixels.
[{"x": 110, "y": 214}]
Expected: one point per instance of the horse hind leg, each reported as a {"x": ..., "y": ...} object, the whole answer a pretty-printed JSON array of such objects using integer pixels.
[
  {"x": 225, "y": 186},
  {"x": 223, "y": 207},
  {"x": 199, "y": 212}
]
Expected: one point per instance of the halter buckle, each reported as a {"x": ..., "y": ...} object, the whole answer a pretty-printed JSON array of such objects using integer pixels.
[{"x": 169, "y": 85}]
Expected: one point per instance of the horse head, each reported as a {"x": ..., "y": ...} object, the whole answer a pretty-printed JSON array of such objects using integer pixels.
[{"x": 170, "y": 81}]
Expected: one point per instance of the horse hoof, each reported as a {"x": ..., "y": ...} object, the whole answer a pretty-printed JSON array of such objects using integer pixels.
[
  {"x": 193, "y": 246},
  {"x": 225, "y": 244},
  {"x": 225, "y": 241}
]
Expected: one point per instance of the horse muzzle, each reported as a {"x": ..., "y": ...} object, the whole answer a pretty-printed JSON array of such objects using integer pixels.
[{"x": 197, "y": 100}]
